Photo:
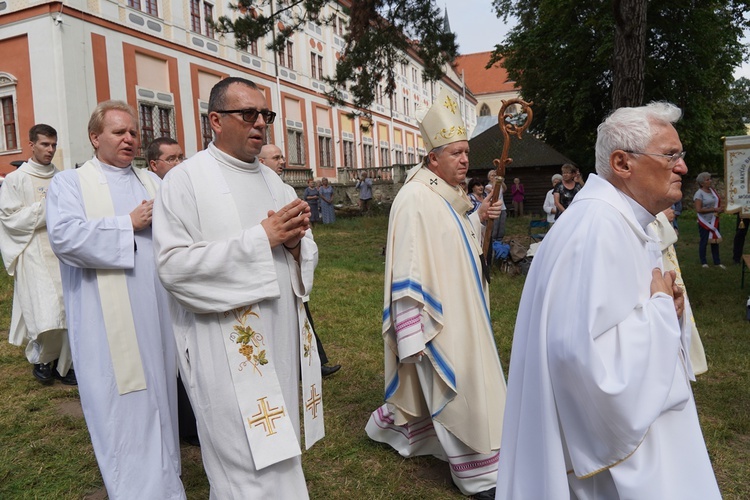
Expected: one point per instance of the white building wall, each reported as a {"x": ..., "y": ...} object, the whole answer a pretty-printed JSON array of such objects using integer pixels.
[{"x": 64, "y": 85}]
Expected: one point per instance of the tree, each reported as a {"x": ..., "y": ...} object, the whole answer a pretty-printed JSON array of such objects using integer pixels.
[
  {"x": 630, "y": 52},
  {"x": 380, "y": 33},
  {"x": 562, "y": 54}
]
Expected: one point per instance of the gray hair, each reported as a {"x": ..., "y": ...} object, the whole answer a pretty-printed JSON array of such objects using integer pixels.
[
  {"x": 702, "y": 177},
  {"x": 556, "y": 177},
  {"x": 437, "y": 151},
  {"x": 630, "y": 129}
]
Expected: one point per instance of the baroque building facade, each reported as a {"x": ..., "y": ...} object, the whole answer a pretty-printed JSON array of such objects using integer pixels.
[{"x": 60, "y": 58}]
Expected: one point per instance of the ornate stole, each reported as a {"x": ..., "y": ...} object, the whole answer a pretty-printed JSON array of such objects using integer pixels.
[
  {"x": 113, "y": 289},
  {"x": 265, "y": 414}
]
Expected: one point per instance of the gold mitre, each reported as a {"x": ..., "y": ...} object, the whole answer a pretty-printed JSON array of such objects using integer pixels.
[{"x": 441, "y": 124}]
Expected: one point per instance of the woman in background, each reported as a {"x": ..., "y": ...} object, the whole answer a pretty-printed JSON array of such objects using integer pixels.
[
  {"x": 708, "y": 207},
  {"x": 311, "y": 195},
  {"x": 326, "y": 202},
  {"x": 517, "y": 193},
  {"x": 476, "y": 194}
]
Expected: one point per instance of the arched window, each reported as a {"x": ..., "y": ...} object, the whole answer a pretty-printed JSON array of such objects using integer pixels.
[
  {"x": 8, "y": 113},
  {"x": 485, "y": 110}
]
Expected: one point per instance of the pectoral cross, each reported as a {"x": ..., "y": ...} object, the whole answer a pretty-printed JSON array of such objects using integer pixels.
[
  {"x": 312, "y": 403},
  {"x": 266, "y": 416}
]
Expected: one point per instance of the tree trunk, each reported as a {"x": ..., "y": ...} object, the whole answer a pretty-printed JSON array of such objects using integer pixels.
[{"x": 630, "y": 52}]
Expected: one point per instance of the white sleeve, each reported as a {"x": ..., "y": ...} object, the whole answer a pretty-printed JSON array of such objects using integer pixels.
[
  {"x": 216, "y": 276},
  {"x": 103, "y": 243}
]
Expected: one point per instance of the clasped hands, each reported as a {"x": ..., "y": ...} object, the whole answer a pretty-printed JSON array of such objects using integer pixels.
[{"x": 288, "y": 225}]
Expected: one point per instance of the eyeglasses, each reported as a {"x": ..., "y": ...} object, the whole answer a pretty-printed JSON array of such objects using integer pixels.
[
  {"x": 672, "y": 159},
  {"x": 172, "y": 160},
  {"x": 250, "y": 115}
]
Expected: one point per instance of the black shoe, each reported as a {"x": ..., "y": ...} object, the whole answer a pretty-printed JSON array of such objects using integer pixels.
[
  {"x": 329, "y": 370},
  {"x": 43, "y": 373},
  {"x": 68, "y": 379},
  {"x": 485, "y": 495}
]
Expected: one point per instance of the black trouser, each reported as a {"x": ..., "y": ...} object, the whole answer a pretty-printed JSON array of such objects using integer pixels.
[{"x": 321, "y": 351}]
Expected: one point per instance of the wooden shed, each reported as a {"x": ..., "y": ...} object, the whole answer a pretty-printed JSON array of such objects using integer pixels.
[{"x": 534, "y": 162}]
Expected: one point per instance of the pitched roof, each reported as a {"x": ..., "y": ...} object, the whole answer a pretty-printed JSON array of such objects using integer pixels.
[
  {"x": 481, "y": 80},
  {"x": 527, "y": 152}
]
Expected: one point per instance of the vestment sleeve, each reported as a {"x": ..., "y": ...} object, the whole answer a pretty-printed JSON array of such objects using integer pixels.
[
  {"x": 102, "y": 243},
  {"x": 215, "y": 276},
  {"x": 19, "y": 221},
  {"x": 407, "y": 322}
]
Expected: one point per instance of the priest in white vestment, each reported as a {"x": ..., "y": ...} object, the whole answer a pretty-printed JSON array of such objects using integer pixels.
[
  {"x": 235, "y": 252},
  {"x": 444, "y": 386},
  {"x": 38, "y": 316},
  {"x": 599, "y": 398},
  {"x": 99, "y": 223}
]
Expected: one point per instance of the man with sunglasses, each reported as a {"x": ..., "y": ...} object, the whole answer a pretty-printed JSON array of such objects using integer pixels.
[
  {"x": 234, "y": 250},
  {"x": 599, "y": 398}
]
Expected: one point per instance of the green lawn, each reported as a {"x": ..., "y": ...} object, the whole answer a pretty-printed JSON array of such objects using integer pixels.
[{"x": 45, "y": 450}]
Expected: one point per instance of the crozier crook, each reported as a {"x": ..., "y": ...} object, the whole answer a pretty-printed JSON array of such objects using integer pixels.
[{"x": 512, "y": 121}]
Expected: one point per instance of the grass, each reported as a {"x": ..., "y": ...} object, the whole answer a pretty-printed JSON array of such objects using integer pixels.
[{"x": 46, "y": 453}]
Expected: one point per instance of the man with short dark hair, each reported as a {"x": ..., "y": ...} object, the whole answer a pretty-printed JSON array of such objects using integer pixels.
[
  {"x": 99, "y": 223},
  {"x": 234, "y": 250},
  {"x": 38, "y": 316},
  {"x": 163, "y": 154},
  {"x": 599, "y": 397}
]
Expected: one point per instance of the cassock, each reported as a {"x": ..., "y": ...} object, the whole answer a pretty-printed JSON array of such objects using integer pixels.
[
  {"x": 599, "y": 397},
  {"x": 38, "y": 315},
  {"x": 215, "y": 259},
  {"x": 449, "y": 401},
  {"x": 133, "y": 431}
]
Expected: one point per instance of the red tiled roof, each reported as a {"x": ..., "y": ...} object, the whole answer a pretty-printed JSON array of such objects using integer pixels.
[{"x": 481, "y": 80}]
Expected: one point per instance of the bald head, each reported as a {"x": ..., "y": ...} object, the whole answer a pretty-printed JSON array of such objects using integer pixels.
[{"x": 271, "y": 156}]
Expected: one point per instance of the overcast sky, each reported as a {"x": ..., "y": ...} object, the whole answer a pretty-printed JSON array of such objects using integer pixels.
[{"x": 478, "y": 29}]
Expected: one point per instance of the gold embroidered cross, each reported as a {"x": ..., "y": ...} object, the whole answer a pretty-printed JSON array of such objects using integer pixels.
[
  {"x": 450, "y": 104},
  {"x": 266, "y": 417},
  {"x": 312, "y": 403}
]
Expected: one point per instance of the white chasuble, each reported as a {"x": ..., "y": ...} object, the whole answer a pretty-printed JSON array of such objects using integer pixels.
[
  {"x": 265, "y": 414},
  {"x": 599, "y": 398},
  {"x": 433, "y": 259}
]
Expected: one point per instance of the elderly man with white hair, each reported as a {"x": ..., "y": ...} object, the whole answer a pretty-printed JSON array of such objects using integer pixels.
[{"x": 599, "y": 398}]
